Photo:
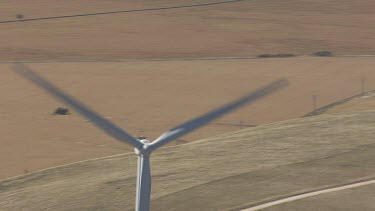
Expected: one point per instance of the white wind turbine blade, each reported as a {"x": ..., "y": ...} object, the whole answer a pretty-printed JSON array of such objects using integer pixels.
[
  {"x": 204, "y": 119},
  {"x": 102, "y": 123}
]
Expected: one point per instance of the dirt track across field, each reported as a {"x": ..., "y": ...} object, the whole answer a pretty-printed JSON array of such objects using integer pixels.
[{"x": 341, "y": 189}]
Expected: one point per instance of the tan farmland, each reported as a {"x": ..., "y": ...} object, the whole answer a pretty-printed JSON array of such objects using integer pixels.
[
  {"x": 245, "y": 28},
  {"x": 148, "y": 98},
  {"x": 148, "y": 71}
]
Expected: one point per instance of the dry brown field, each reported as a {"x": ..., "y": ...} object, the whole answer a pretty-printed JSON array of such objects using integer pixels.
[
  {"x": 227, "y": 172},
  {"x": 148, "y": 98},
  {"x": 245, "y": 28},
  {"x": 148, "y": 71}
]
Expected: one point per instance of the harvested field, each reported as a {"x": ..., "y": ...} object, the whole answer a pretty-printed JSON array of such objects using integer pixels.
[
  {"x": 276, "y": 160},
  {"x": 150, "y": 70},
  {"x": 148, "y": 98},
  {"x": 246, "y": 28}
]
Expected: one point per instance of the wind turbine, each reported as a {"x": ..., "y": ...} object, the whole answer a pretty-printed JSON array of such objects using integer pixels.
[{"x": 143, "y": 148}]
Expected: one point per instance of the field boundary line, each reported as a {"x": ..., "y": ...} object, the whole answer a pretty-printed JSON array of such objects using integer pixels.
[
  {"x": 336, "y": 103},
  {"x": 63, "y": 165},
  {"x": 121, "y": 11},
  {"x": 310, "y": 194},
  {"x": 176, "y": 59}
]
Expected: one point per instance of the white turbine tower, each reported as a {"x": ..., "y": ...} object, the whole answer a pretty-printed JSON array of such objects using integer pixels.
[{"x": 144, "y": 148}]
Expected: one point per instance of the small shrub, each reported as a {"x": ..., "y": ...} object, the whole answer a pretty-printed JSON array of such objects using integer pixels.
[
  {"x": 61, "y": 111},
  {"x": 284, "y": 55},
  {"x": 280, "y": 55},
  {"x": 19, "y": 16},
  {"x": 323, "y": 53},
  {"x": 264, "y": 56}
]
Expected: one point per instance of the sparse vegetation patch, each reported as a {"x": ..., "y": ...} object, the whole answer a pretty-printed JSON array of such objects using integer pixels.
[
  {"x": 61, "y": 111},
  {"x": 280, "y": 55},
  {"x": 323, "y": 53}
]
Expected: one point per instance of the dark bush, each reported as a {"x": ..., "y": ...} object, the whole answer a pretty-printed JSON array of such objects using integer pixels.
[
  {"x": 280, "y": 55},
  {"x": 323, "y": 53},
  {"x": 264, "y": 56},
  {"x": 61, "y": 111},
  {"x": 19, "y": 16}
]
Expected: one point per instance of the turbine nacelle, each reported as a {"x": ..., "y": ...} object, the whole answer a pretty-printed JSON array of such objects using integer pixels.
[{"x": 144, "y": 150}]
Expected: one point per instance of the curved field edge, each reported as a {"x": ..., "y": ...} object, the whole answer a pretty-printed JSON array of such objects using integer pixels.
[
  {"x": 275, "y": 160},
  {"x": 258, "y": 187},
  {"x": 325, "y": 108}
]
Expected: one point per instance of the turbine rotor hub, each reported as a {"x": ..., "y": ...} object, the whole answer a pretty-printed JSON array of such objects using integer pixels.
[
  {"x": 145, "y": 141},
  {"x": 144, "y": 151}
]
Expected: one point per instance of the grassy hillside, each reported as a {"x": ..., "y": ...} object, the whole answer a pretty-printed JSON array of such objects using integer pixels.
[{"x": 224, "y": 172}]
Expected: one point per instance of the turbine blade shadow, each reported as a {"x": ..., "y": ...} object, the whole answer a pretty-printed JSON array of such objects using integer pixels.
[
  {"x": 99, "y": 121},
  {"x": 210, "y": 116}
]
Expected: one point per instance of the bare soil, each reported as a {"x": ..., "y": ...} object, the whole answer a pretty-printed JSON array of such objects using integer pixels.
[
  {"x": 246, "y": 28},
  {"x": 148, "y": 98}
]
